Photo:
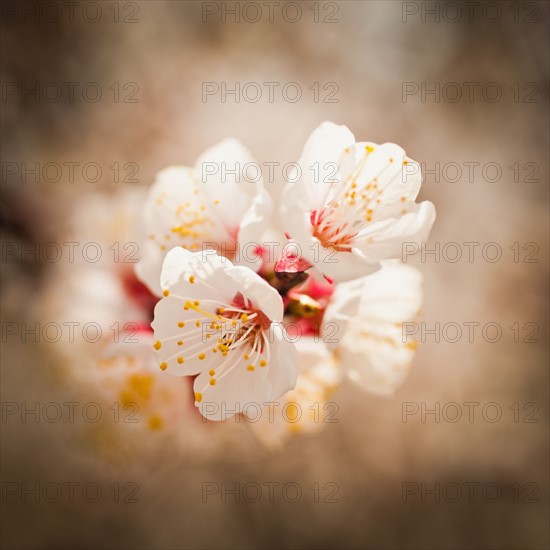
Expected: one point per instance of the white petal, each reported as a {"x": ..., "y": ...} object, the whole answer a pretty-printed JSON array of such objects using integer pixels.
[
  {"x": 295, "y": 215},
  {"x": 343, "y": 307},
  {"x": 256, "y": 289},
  {"x": 283, "y": 370},
  {"x": 320, "y": 159},
  {"x": 341, "y": 266},
  {"x": 393, "y": 294},
  {"x": 253, "y": 224},
  {"x": 233, "y": 392},
  {"x": 386, "y": 166},
  {"x": 223, "y": 172},
  {"x": 373, "y": 351},
  {"x": 376, "y": 368},
  {"x": 180, "y": 264},
  {"x": 385, "y": 239}
]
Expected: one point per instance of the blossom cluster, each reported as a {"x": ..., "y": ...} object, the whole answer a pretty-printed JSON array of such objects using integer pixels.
[{"x": 258, "y": 305}]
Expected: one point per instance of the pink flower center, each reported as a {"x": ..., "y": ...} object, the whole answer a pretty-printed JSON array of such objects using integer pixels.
[
  {"x": 246, "y": 324},
  {"x": 331, "y": 232}
]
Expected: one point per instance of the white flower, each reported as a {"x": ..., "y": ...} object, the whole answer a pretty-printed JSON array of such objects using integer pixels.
[
  {"x": 352, "y": 205},
  {"x": 217, "y": 203},
  {"x": 222, "y": 323},
  {"x": 369, "y": 313},
  {"x": 306, "y": 408}
]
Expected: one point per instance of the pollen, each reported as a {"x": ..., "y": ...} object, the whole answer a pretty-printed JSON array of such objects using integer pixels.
[
  {"x": 246, "y": 356},
  {"x": 403, "y": 199},
  {"x": 250, "y": 367},
  {"x": 292, "y": 411},
  {"x": 180, "y": 343},
  {"x": 244, "y": 317},
  {"x": 369, "y": 149},
  {"x": 181, "y": 324},
  {"x": 216, "y": 201},
  {"x": 211, "y": 372},
  {"x": 201, "y": 356},
  {"x": 180, "y": 360},
  {"x": 197, "y": 323},
  {"x": 263, "y": 363},
  {"x": 158, "y": 345},
  {"x": 192, "y": 279},
  {"x": 212, "y": 381},
  {"x": 155, "y": 422},
  {"x": 165, "y": 293},
  {"x": 163, "y": 365},
  {"x": 198, "y": 397}
]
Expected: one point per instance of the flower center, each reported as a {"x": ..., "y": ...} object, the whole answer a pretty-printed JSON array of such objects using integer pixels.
[
  {"x": 332, "y": 232},
  {"x": 242, "y": 326}
]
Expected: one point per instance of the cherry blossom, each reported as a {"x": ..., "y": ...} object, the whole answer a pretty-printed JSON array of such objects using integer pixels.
[{"x": 351, "y": 205}]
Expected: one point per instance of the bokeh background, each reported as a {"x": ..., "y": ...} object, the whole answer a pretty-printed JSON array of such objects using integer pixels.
[{"x": 369, "y": 52}]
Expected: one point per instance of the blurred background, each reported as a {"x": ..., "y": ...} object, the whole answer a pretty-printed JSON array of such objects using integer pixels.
[{"x": 149, "y": 61}]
